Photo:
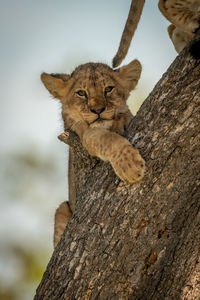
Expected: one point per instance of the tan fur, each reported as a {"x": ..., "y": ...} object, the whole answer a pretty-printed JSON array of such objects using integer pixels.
[
  {"x": 129, "y": 30},
  {"x": 179, "y": 38},
  {"x": 62, "y": 216},
  {"x": 183, "y": 14},
  {"x": 94, "y": 105}
]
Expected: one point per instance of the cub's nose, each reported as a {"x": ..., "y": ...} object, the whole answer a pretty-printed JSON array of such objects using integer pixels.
[{"x": 97, "y": 111}]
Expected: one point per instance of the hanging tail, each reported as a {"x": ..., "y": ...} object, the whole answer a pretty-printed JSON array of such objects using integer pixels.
[{"x": 129, "y": 30}]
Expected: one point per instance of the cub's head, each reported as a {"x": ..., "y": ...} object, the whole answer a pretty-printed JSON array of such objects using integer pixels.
[{"x": 94, "y": 93}]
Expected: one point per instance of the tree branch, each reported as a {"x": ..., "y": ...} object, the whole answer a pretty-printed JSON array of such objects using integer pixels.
[{"x": 70, "y": 138}]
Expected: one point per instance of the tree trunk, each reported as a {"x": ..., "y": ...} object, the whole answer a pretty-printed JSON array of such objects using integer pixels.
[{"x": 140, "y": 241}]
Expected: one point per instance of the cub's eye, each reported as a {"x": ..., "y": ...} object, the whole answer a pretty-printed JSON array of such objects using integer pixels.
[
  {"x": 82, "y": 93},
  {"x": 108, "y": 89}
]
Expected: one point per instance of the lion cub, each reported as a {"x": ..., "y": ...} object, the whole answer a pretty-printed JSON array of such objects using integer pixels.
[{"x": 94, "y": 106}]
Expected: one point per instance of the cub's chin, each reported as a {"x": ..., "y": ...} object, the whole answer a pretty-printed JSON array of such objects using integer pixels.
[{"x": 105, "y": 124}]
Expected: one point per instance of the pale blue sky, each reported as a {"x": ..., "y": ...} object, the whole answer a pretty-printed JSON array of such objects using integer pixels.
[{"x": 56, "y": 36}]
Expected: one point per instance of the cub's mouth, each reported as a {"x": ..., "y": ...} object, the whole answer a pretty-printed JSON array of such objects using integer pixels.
[{"x": 103, "y": 120}]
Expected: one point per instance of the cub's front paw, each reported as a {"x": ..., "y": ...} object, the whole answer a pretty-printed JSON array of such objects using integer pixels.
[{"x": 128, "y": 164}]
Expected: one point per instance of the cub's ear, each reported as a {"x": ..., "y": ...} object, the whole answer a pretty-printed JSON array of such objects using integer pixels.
[
  {"x": 56, "y": 84},
  {"x": 130, "y": 74}
]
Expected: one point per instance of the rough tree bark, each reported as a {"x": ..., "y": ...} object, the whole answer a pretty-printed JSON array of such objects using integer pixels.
[{"x": 140, "y": 241}]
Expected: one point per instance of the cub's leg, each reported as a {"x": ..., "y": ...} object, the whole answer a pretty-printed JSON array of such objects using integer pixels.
[
  {"x": 184, "y": 14},
  {"x": 62, "y": 216},
  {"x": 179, "y": 38},
  {"x": 109, "y": 146}
]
